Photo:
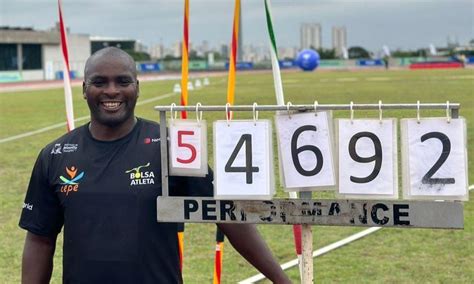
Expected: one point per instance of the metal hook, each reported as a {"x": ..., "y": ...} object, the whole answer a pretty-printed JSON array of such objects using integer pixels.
[
  {"x": 448, "y": 113},
  {"x": 227, "y": 114},
  {"x": 198, "y": 113},
  {"x": 288, "y": 105},
  {"x": 418, "y": 111},
  {"x": 316, "y": 108},
  {"x": 255, "y": 114},
  {"x": 351, "y": 107},
  {"x": 380, "y": 111},
  {"x": 173, "y": 117}
]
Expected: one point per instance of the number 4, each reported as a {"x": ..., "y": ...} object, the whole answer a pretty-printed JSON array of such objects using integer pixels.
[{"x": 248, "y": 169}]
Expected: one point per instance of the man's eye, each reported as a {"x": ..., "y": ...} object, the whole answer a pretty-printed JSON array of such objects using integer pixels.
[
  {"x": 125, "y": 82},
  {"x": 98, "y": 83}
]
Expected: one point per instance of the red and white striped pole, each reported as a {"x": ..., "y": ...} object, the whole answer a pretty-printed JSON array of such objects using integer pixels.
[{"x": 66, "y": 72}]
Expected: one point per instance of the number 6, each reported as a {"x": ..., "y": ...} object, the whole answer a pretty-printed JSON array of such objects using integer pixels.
[{"x": 295, "y": 151}]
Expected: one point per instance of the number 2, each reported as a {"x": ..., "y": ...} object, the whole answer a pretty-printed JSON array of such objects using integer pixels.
[{"x": 427, "y": 179}]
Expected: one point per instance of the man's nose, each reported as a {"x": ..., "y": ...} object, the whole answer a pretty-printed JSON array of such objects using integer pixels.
[{"x": 112, "y": 89}]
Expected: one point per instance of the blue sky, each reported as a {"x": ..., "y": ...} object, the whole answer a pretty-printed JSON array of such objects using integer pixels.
[{"x": 407, "y": 24}]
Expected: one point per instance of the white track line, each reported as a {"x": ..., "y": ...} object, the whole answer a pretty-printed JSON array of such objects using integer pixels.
[
  {"x": 471, "y": 187},
  {"x": 317, "y": 253},
  {"x": 139, "y": 103},
  {"x": 378, "y": 79},
  {"x": 346, "y": 79},
  {"x": 63, "y": 124}
]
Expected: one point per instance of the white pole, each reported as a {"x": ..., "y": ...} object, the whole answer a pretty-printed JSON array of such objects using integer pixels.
[{"x": 306, "y": 247}]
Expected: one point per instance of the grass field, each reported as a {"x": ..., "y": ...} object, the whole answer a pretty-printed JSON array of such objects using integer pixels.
[{"x": 389, "y": 255}]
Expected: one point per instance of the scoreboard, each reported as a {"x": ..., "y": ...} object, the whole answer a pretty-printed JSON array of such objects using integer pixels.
[{"x": 358, "y": 158}]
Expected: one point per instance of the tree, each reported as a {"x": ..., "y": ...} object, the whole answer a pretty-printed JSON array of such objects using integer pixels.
[
  {"x": 405, "y": 53},
  {"x": 170, "y": 57},
  {"x": 327, "y": 53},
  {"x": 422, "y": 52},
  {"x": 357, "y": 52},
  {"x": 194, "y": 56},
  {"x": 217, "y": 56},
  {"x": 138, "y": 56}
]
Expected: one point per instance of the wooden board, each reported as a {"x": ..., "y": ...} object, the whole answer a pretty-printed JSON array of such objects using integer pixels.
[{"x": 366, "y": 213}]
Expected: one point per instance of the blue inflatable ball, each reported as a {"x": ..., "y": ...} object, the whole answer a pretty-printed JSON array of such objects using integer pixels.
[{"x": 308, "y": 59}]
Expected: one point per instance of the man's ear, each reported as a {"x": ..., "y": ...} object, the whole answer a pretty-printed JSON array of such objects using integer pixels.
[
  {"x": 84, "y": 89},
  {"x": 138, "y": 88}
]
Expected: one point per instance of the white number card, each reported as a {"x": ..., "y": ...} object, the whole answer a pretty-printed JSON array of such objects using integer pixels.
[
  {"x": 434, "y": 159},
  {"x": 243, "y": 160},
  {"x": 306, "y": 155},
  {"x": 367, "y": 151},
  {"x": 188, "y": 148}
]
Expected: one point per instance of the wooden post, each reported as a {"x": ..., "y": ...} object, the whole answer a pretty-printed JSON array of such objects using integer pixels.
[
  {"x": 164, "y": 154},
  {"x": 307, "y": 247}
]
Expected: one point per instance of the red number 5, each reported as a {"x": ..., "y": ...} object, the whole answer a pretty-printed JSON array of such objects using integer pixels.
[{"x": 186, "y": 145}]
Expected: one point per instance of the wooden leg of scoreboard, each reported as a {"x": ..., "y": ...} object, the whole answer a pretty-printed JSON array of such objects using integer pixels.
[{"x": 307, "y": 248}]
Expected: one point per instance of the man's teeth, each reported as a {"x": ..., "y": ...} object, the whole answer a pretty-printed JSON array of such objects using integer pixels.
[{"x": 111, "y": 104}]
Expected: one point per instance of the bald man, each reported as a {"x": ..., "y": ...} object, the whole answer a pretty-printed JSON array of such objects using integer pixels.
[{"x": 85, "y": 182}]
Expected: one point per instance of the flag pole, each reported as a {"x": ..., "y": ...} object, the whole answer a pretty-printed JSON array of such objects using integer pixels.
[
  {"x": 66, "y": 72},
  {"x": 219, "y": 256},
  {"x": 233, "y": 58},
  {"x": 230, "y": 100},
  {"x": 184, "y": 102},
  {"x": 281, "y": 101},
  {"x": 185, "y": 59}
]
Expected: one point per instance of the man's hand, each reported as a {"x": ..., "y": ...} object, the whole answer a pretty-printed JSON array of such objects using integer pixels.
[{"x": 247, "y": 241}]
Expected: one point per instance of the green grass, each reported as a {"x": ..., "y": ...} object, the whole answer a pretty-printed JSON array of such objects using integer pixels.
[{"x": 389, "y": 255}]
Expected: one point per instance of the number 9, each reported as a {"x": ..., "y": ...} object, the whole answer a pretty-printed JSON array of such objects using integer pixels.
[{"x": 377, "y": 157}]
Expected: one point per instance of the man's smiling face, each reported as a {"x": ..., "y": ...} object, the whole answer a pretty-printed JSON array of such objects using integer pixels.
[{"x": 111, "y": 89}]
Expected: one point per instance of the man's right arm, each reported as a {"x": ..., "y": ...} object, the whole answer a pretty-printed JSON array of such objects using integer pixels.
[{"x": 37, "y": 263}]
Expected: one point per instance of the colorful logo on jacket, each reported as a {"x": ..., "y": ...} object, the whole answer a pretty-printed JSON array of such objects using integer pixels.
[
  {"x": 71, "y": 184},
  {"x": 141, "y": 177}
]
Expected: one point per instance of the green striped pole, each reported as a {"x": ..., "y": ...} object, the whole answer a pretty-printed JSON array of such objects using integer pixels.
[
  {"x": 297, "y": 229},
  {"x": 274, "y": 55}
]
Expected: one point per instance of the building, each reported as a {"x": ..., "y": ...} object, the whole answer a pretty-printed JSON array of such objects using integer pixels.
[
  {"x": 203, "y": 48},
  {"x": 255, "y": 53},
  {"x": 287, "y": 52},
  {"x": 339, "y": 40},
  {"x": 157, "y": 51},
  {"x": 99, "y": 42},
  {"x": 310, "y": 36},
  {"x": 27, "y": 54},
  {"x": 224, "y": 50}
]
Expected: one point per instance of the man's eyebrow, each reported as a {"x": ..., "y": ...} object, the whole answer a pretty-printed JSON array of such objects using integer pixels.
[
  {"x": 93, "y": 79},
  {"x": 126, "y": 77},
  {"x": 95, "y": 76}
]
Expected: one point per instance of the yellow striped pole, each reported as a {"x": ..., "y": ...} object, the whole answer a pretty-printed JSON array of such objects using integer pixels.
[{"x": 233, "y": 58}]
